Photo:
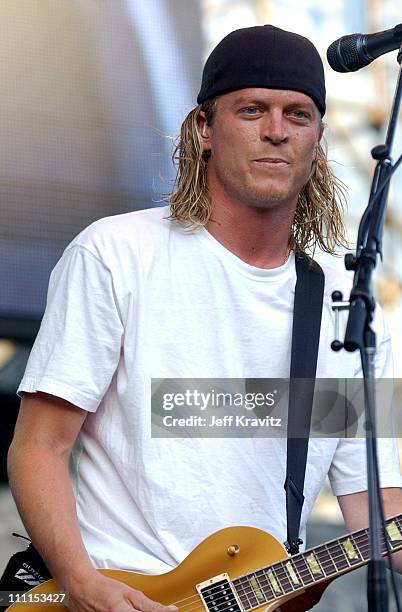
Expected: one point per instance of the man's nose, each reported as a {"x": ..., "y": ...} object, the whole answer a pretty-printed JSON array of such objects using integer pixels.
[{"x": 274, "y": 128}]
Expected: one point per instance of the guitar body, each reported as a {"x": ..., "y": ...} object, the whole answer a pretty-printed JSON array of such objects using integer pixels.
[{"x": 256, "y": 548}]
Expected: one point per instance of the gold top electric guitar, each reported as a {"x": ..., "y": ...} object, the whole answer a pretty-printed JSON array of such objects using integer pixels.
[{"x": 238, "y": 569}]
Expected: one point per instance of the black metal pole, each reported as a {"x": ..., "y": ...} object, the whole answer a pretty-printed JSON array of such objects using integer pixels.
[{"x": 359, "y": 335}]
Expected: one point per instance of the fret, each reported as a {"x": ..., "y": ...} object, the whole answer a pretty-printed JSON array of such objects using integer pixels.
[
  {"x": 357, "y": 546},
  {"x": 364, "y": 544},
  {"x": 338, "y": 555},
  {"x": 325, "y": 557},
  {"x": 314, "y": 565},
  {"x": 259, "y": 595},
  {"x": 293, "y": 574},
  {"x": 274, "y": 582},
  {"x": 303, "y": 569},
  {"x": 398, "y": 520},
  {"x": 394, "y": 533},
  {"x": 264, "y": 584},
  {"x": 248, "y": 589},
  {"x": 282, "y": 576},
  {"x": 250, "y": 592},
  {"x": 241, "y": 593},
  {"x": 361, "y": 543},
  {"x": 349, "y": 548}
]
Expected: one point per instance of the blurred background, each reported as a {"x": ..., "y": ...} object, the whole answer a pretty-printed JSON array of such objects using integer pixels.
[{"x": 93, "y": 93}]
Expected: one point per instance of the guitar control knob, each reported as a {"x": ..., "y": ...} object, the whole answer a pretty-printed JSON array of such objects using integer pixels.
[{"x": 232, "y": 550}]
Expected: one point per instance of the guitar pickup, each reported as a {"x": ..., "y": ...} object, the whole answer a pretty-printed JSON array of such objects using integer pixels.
[{"x": 218, "y": 595}]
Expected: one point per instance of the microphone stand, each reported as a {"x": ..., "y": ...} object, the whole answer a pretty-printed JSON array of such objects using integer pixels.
[{"x": 359, "y": 335}]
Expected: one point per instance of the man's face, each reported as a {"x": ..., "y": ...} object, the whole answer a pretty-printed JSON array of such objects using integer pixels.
[{"x": 262, "y": 144}]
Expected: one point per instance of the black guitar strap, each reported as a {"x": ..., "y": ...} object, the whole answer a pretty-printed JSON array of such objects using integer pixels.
[{"x": 303, "y": 366}]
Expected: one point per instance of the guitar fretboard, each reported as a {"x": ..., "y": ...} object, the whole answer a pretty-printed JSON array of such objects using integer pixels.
[{"x": 314, "y": 565}]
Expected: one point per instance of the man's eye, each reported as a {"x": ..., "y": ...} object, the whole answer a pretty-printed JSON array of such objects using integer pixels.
[
  {"x": 250, "y": 110},
  {"x": 300, "y": 114}
]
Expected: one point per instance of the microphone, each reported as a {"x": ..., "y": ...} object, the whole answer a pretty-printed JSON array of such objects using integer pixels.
[{"x": 352, "y": 52}]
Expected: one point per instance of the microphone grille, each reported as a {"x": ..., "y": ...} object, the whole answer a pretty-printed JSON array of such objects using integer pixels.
[{"x": 343, "y": 54}]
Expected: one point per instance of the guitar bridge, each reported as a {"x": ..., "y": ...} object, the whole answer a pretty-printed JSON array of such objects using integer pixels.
[{"x": 218, "y": 595}]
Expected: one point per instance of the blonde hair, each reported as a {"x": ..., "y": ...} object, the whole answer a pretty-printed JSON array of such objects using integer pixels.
[{"x": 318, "y": 219}]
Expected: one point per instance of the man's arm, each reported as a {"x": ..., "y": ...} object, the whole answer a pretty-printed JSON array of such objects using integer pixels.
[
  {"x": 354, "y": 508},
  {"x": 46, "y": 430}
]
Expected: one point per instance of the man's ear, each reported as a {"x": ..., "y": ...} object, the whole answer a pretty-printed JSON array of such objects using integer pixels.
[
  {"x": 204, "y": 131},
  {"x": 321, "y": 131},
  {"x": 320, "y": 134}
]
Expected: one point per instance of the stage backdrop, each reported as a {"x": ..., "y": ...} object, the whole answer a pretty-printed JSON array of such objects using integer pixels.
[{"x": 91, "y": 90}]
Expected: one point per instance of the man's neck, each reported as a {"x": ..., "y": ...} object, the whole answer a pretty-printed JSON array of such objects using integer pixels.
[{"x": 258, "y": 236}]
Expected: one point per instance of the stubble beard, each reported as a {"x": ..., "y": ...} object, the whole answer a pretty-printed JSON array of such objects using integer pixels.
[{"x": 267, "y": 196}]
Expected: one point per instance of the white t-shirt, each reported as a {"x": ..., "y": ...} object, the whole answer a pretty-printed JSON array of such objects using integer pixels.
[{"x": 136, "y": 296}]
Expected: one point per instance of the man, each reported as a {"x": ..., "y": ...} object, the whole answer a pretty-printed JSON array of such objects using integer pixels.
[{"x": 204, "y": 293}]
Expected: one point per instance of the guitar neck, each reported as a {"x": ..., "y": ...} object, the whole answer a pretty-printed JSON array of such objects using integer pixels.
[{"x": 318, "y": 564}]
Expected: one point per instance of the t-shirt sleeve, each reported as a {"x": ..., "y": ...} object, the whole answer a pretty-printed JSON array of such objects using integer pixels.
[
  {"x": 78, "y": 346},
  {"x": 348, "y": 472}
]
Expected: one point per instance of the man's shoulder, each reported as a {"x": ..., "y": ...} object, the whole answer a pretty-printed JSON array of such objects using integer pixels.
[
  {"x": 129, "y": 224},
  {"x": 128, "y": 231}
]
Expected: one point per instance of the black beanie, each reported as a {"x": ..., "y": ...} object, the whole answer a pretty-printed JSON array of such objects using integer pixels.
[{"x": 264, "y": 56}]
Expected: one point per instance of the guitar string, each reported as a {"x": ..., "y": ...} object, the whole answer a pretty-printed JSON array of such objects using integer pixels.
[
  {"x": 363, "y": 534},
  {"x": 362, "y": 548},
  {"x": 306, "y": 572},
  {"x": 251, "y": 592},
  {"x": 278, "y": 566},
  {"x": 249, "y": 604},
  {"x": 281, "y": 572},
  {"x": 302, "y": 575}
]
